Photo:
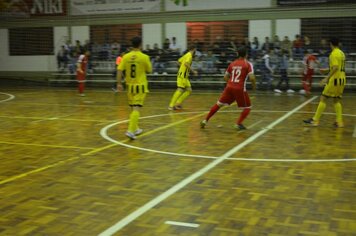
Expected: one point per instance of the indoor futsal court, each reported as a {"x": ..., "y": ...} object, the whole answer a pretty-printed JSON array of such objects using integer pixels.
[{"x": 67, "y": 167}]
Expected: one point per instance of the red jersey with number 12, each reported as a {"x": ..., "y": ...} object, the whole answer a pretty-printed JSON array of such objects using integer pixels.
[{"x": 238, "y": 71}]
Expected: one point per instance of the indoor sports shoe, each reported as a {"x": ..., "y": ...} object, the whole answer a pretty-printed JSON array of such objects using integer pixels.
[
  {"x": 240, "y": 127},
  {"x": 290, "y": 91},
  {"x": 130, "y": 135},
  {"x": 277, "y": 91},
  {"x": 178, "y": 107},
  {"x": 171, "y": 108},
  {"x": 338, "y": 125},
  {"x": 138, "y": 132},
  {"x": 203, "y": 124},
  {"x": 311, "y": 122}
]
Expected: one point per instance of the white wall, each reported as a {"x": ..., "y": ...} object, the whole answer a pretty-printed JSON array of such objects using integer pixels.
[
  {"x": 216, "y": 4},
  {"x": 288, "y": 27},
  {"x": 81, "y": 33},
  {"x": 259, "y": 29},
  {"x": 178, "y": 30},
  {"x": 22, "y": 63},
  {"x": 151, "y": 34}
]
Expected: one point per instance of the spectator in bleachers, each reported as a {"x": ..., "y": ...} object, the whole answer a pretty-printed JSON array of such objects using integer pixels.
[
  {"x": 267, "y": 45},
  {"x": 158, "y": 63},
  {"x": 255, "y": 46},
  {"x": 78, "y": 48},
  {"x": 62, "y": 59},
  {"x": 287, "y": 45},
  {"x": 307, "y": 44},
  {"x": 267, "y": 70},
  {"x": 115, "y": 49},
  {"x": 276, "y": 42},
  {"x": 283, "y": 70},
  {"x": 166, "y": 44},
  {"x": 324, "y": 53},
  {"x": 210, "y": 60},
  {"x": 247, "y": 44},
  {"x": 297, "y": 47},
  {"x": 232, "y": 45},
  {"x": 199, "y": 45},
  {"x": 222, "y": 62},
  {"x": 197, "y": 65},
  {"x": 174, "y": 46},
  {"x": 104, "y": 50},
  {"x": 155, "y": 50}
]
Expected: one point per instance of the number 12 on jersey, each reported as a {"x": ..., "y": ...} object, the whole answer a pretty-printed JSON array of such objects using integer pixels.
[{"x": 235, "y": 76}]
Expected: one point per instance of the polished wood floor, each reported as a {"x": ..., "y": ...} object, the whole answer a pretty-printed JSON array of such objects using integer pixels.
[{"x": 67, "y": 168}]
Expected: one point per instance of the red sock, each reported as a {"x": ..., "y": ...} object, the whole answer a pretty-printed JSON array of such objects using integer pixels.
[
  {"x": 243, "y": 115},
  {"x": 305, "y": 86},
  {"x": 213, "y": 110},
  {"x": 81, "y": 87}
]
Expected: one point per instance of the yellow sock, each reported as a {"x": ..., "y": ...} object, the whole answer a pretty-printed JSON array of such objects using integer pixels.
[
  {"x": 338, "y": 111},
  {"x": 133, "y": 124},
  {"x": 319, "y": 111},
  {"x": 175, "y": 97},
  {"x": 183, "y": 97}
]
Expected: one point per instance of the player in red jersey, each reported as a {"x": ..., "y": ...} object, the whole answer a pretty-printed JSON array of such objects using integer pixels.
[
  {"x": 236, "y": 77},
  {"x": 309, "y": 62},
  {"x": 82, "y": 65}
]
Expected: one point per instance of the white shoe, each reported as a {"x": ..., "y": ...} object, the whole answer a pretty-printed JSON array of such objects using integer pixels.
[
  {"x": 290, "y": 91},
  {"x": 82, "y": 94},
  {"x": 277, "y": 91},
  {"x": 138, "y": 132},
  {"x": 302, "y": 91},
  {"x": 130, "y": 135}
]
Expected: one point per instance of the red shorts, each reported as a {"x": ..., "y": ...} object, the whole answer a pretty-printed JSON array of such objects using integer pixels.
[
  {"x": 80, "y": 76},
  {"x": 308, "y": 76},
  {"x": 239, "y": 95}
]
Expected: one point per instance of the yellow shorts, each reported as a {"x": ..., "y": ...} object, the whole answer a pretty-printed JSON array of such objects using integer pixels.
[
  {"x": 183, "y": 82},
  {"x": 136, "y": 94},
  {"x": 334, "y": 88}
]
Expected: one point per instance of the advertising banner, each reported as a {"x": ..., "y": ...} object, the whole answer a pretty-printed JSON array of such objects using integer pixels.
[
  {"x": 32, "y": 8},
  {"x": 95, "y": 7}
]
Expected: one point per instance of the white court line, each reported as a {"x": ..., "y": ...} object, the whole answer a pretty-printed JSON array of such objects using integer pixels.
[
  {"x": 177, "y": 223},
  {"x": 7, "y": 99},
  {"x": 149, "y": 205}
]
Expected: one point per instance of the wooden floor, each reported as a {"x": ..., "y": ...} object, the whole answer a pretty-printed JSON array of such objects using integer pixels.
[{"x": 67, "y": 168}]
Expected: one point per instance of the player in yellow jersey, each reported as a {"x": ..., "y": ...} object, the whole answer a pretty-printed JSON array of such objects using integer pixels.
[
  {"x": 135, "y": 64},
  {"x": 184, "y": 87},
  {"x": 334, "y": 85}
]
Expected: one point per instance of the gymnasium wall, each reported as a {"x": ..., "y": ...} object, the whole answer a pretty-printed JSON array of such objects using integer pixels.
[{"x": 264, "y": 19}]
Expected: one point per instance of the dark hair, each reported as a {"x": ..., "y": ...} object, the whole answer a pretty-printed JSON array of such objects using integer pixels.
[
  {"x": 241, "y": 51},
  {"x": 334, "y": 41},
  {"x": 136, "y": 41},
  {"x": 191, "y": 47}
]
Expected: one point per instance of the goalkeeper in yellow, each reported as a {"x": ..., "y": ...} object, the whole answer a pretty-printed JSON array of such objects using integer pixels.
[
  {"x": 184, "y": 87},
  {"x": 135, "y": 64},
  {"x": 334, "y": 85}
]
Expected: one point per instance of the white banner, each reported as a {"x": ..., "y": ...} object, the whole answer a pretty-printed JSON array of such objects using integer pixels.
[{"x": 95, "y": 7}]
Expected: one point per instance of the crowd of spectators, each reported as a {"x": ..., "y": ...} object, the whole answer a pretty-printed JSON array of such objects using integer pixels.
[{"x": 209, "y": 59}]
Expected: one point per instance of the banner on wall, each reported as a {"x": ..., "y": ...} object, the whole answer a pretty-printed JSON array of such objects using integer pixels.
[
  {"x": 95, "y": 7},
  {"x": 32, "y": 8}
]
